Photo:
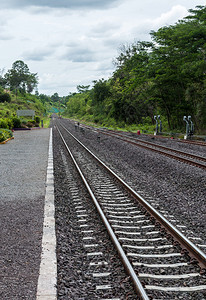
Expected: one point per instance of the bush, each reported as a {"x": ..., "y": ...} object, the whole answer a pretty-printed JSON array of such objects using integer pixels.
[
  {"x": 16, "y": 122},
  {"x": 37, "y": 119},
  {"x": 2, "y": 136},
  {"x": 29, "y": 124},
  {"x": 4, "y": 124},
  {"x": 31, "y": 121},
  {"x": 5, "y": 134},
  {"x": 9, "y": 123},
  {"x": 5, "y": 97}
]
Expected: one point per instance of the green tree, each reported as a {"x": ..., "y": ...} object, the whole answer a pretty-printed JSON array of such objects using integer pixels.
[
  {"x": 2, "y": 79},
  {"x": 83, "y": 88},
  {"x": 178, "y": 64},
  {"x": 131, "y": 84},
  {"x": 55, "y": 97},
  {"x": 5, "y": 97},
  {"x": 19, "y": 77},
  {"x": 101, "y": 91}
]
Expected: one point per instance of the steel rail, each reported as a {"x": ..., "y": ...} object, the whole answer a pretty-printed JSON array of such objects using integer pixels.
[
  {"x": 197, "y": 143},
  {"x": 188, "y": 141},
  {"x": 139, "y": 144},
  {"x": 137, "y": 284},
  {"x": 160, "y": 146},
  {"x": 186, "y": 160},
  {"x": 193, "y": 250}
]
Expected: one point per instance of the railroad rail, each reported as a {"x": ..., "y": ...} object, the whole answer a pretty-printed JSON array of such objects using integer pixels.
[
  {"x": 195, "y": 160},
  {"x": 188, "y": 141},
  {"x": 193, "y": 142},
  {"x": 129, "y": 224}
]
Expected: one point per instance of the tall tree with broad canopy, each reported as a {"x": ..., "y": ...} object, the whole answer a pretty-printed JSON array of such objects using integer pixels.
[
  {"x": 179, "y": 65},
  {"x": 19, "y": 77}
]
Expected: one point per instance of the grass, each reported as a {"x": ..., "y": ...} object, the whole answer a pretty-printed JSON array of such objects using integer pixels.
[{"x": 146, "y": 128}]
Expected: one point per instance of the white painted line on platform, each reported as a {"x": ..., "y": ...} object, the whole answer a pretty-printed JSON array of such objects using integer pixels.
[{"x": 47, "y": 281}]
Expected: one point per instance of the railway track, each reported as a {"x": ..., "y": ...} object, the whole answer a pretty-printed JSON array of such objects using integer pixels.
[
  {"x": 189, "y": 141},
  {"x": 195, "y": 160},
  {"x": 199, "y": 143},
  {"x": 162, "y": 263}
]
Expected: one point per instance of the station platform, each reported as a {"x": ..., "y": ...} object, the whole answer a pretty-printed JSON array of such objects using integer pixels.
[{"x": 26, "y": 185}]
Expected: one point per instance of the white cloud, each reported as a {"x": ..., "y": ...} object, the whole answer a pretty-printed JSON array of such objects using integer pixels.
[
  {"x": 170, "y": 17},
  {"x": 74, "y": 42},
  {"x": 37, "y": 54},
  {"x": 70, "y": 4}
]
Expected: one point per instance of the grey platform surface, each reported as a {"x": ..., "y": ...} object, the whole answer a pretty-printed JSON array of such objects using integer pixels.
[{"x": 23, "y": 170}]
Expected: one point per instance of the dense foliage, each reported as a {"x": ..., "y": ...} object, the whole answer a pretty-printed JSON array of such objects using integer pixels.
[
  {"x": 19, "y": 77},
  {"x": 165, "y": 76}
]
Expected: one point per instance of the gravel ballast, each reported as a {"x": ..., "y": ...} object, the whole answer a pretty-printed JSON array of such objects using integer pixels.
[
  {"x": 175, "y": 187},
  {"x": 83, "y": 245},
  {"x": 115, "y": 154}
]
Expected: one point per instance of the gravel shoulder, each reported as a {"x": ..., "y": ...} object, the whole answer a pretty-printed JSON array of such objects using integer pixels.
[{"x": 23, "y": 166}]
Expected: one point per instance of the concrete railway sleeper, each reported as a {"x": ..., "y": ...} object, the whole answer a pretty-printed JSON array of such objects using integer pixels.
[
  {"x": 195, "y": 160},
  {"x": 88, "y": 264},
  {"x": 166, "y": 265}
]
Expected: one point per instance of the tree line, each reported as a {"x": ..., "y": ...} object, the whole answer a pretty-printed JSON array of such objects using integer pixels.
[
  {"x": 164, "y": 76},
  {"x": 20, "y": 80}
]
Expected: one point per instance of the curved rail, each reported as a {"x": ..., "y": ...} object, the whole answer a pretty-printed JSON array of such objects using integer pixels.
[{"x": 186, "y": 244}]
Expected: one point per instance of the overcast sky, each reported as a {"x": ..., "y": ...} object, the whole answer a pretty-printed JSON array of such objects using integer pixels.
[{"x": 73, "y": 42}]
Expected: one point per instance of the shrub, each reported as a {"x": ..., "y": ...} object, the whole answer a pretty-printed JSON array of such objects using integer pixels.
[
  {"x": 5, "y": 134},
  {"x": 5, "y": 97},
  {"x": 37, "y": 119},
  {"x": 29, "y": 124},
  {"x": 31, "y": 121},
  {"x": 3, "y": 123},
  {"x": 2, "y": 136},
  {"x": 16, "y": 122},
  {"x": 9, "y": 123}
]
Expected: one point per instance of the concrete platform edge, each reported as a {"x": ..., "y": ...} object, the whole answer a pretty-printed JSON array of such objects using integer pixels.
[{"x": 47, "y": 280}]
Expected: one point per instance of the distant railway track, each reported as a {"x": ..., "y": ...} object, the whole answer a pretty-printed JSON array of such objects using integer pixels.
[
  {"x": 188, "y": 141},
  {"x": 193, "y": 142},
  {"x": 195, "y": 160},
  {"x": 153, "y": 251}
]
